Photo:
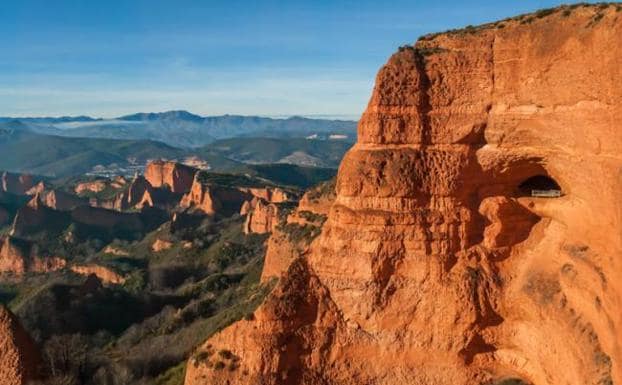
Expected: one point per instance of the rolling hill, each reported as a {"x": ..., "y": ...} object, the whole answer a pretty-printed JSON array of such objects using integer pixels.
[
  {"x": 26, "y": 151},
  {"x": 303, "y": 152}
]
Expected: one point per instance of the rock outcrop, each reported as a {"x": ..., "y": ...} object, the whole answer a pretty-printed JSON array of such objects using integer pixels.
[
  {"x": 20, "y": 361},
  {"x": 268, "y": 194},
  {"x": 139, "y": 194},
  {"x": 292, "y": 239},
  {"x": 112, "y": 250},
  {"x": 214, "y": 199},
  {"x": 38, "y": 188},
  {"x": 262, "y": 218},
  {"x": 18, "y": 256},
  {"x": 36, "y": 217},
  {"x": 16, "y": 183},
  {"x": 161, "y": 245},
  {"x": 433, "y": 267},
  {"x": 63, "y": 201},
  {"x": 319, "y": 199},
  {"x": 93, "y": 186},
  {"x": 103, "y": 273},
  {"x": 176, "y": 176}
]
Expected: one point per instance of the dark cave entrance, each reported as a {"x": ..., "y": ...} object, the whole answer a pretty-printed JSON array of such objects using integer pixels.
[{"x": 542, "y": 186}]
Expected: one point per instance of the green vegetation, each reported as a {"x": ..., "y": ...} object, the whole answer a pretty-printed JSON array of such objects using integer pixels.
[
  {"x": 23, "y": 150},
  {"x": 230, "y": 180},
  {"x": 324, "y": 153},
  {"x": 173, "y": 376},
  {"x": 293, "y": 175},
  {"x": 297, "y": 233},
  {"x": 171, "y": 300},
  {"x": 144, "y": 330},
  {"x": 313, "y": 217}
]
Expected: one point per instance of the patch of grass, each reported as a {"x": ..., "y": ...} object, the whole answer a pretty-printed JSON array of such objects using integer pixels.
[
  {"x": 322, "y": 190},
  {"x": 313, "y": 217},
  {"x": 173, "y": 376},
  {"x": 300, "y": 233}
]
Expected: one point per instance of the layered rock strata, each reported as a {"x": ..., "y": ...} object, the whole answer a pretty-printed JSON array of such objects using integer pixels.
[
  {"x": 176, "y": 176},
  {"x": 262, "y": 218},
  {"x": 214, "y": 199},
  {"x": 433, "y": 266}
]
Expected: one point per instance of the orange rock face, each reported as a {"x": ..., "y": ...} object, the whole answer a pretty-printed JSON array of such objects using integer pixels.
[
  {"x": 20, "y": 358},
  {"x": 116, "y": 251},
  {"x": 268, "y": 194},
  {"x": 18, "y": 257},
  {"x": 434, "y": 266},
  {"x": 95, "y": 186},
  {"x": 161, "y": 245},
  {"x": 138, "y": 195},
  {"x": 38, "y": 188},
  {"x": 319, "y": 199},
  {"x": 262, "y": 218},
  {"x": 103, "y": 273},
  {"x": 283, "y": 246},
  {"x": 176, "y": 176},
  {"x": 213, "y": 199}
]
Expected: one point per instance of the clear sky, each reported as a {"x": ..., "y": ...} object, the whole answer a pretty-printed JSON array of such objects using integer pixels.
[{"x": 106, "y": 58}]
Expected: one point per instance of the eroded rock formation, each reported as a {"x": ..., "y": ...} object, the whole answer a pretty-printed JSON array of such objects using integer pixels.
[
  {"x": 18, "y": 256},
  {"x": 138, "y": 195},
  {"x": 61, "y": 200},
  {"x": 93, "y": 186},
  {"x": 103, "y": 273},
  {"x": 176, "y": 176},
  {"x": 214, "y": 199},
  {"x": 292, "y": 239},
  {"x": 268, "y": 194},
  {"x": 20, "y": 359},
  {"x": 433, "y": 267},
  {"x": 262, "y": 218},
  {"x": 161, "y": 245}
]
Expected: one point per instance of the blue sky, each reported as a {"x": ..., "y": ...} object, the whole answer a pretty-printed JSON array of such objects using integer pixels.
[{"x": 106, "y": 58}]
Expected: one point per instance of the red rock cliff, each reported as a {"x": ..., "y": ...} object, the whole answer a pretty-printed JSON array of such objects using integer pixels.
[
  {"x": 262, "y": 218},
  {"x": 176, "y": 176},
  {"x": 434, "y": 266},
  {"x": 214, "y": 199}
]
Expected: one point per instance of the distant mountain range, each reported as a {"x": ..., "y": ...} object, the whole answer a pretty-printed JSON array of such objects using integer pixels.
[
  {"x": 183, "y": 129},
  {"x": 25, "y": 149}
]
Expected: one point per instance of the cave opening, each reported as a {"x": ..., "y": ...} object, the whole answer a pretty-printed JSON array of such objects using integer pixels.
[{"x": 542, "y": 186}]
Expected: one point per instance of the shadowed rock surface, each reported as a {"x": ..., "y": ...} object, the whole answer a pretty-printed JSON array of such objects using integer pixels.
[{"x": 19, "y": 356}]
